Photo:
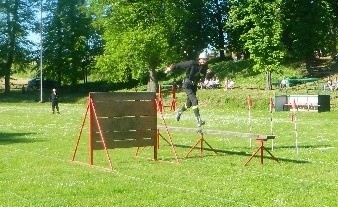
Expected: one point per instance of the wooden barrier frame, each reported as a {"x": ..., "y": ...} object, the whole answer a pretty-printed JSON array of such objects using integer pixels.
[
  {"x": 160, "y": 102},
  {"x": 120, "y": 120}
]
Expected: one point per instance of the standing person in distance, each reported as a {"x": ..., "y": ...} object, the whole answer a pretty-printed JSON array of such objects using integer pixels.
[
  {"x": 195, "y": 71},
  {"x": 54, "y": 98}
]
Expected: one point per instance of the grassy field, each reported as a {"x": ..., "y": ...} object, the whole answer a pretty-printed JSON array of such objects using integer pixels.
[{"x": 36, "y": 148}]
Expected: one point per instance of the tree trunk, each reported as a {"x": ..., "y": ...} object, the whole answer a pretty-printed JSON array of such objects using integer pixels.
[
  {"x": 7, "y": 83},
  {"x": 153, "y": 82},
  {"x": 268, "y": 83},
  {"x": 220, "y": 29},
  {"x": 333, "y": 44},
  {"x": 11, "y": 41}
]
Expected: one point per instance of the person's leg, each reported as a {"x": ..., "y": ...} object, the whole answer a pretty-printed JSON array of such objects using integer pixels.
[
  {"x": 184, "y": 106},
  {"x": 57, "y": 107},
  {"x": 200, "y": 122},
  {"x": 53, "y": 107},
  {"x": 194, "y": 101},
  {"x": 180, "y": 111}
]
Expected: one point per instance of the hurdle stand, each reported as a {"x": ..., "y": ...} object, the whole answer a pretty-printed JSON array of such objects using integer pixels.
[
  {"x": 160, "y": 100},
  {"x": 261, "y": 139},
  {"x": 200, "y": 141}
]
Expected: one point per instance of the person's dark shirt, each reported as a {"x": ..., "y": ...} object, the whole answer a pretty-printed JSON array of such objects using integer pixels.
[
  {"x": 54, "y": 97},
  {"x": 194, "y": 71}
]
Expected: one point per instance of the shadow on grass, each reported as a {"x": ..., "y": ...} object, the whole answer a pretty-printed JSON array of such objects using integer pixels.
[
  {"x": 67, "y": 93},
  {"x": 240, "y": 153},
  {"x": 35, "y": 97},
  {"x": 13, "y": 138},
  {"x": 302, "y": 146}
]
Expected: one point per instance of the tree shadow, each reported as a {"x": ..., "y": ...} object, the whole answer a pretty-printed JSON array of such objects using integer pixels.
[
  {"x": 13, "y": 138},
  {"x": 67, "y": 93},
  {"x": 302, "y": 146}
]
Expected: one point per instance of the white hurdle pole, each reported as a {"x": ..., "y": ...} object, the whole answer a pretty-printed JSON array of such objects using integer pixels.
[
  {"x": 249, "y": 121},
  {"x": 294, "y": 109},
  {"x": 271, "y": 107}
]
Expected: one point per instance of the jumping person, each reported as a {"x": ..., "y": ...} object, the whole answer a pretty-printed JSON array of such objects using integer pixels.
[
  {"x": 54, "y": 98},
  {"x": 195, "y": 71}
]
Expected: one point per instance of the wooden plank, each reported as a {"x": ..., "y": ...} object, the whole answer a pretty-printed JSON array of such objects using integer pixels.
[
  {"x": 219, "y": 132},
  {"x": 110, "y": 96},
  {"x": 111, "y": 144},
  {"x": 209, "y": 131},
  {"x": 120, "y": 135},
  {"x": 264, "y": 136},
  {"x": 128, "y": 123},
  {"x": 125, "y": 108}
]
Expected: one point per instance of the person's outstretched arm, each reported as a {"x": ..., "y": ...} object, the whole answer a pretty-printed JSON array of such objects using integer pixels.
[{"x": 185, "y": 65}]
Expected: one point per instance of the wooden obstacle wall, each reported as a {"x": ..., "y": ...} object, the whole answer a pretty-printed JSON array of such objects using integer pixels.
[
  {"x": 125, "y": 119},
  {"x": 120, "y": 120}
]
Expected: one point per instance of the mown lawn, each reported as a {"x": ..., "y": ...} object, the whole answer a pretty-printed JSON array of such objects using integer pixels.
[{"x": 36, "y": 148}]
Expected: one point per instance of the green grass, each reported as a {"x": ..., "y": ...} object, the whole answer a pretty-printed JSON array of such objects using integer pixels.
[{"x": 36, "y": 148}]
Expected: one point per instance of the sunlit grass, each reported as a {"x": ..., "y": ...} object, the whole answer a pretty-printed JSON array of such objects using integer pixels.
[{"x": 36, "y": 148}]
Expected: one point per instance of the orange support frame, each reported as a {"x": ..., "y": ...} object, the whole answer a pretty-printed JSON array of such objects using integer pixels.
[
  {"x": 200, "y": 141},
  {"x": 92, "y": 115},
  {"x": 159, "y": 101},
  {"x": 260, "y": 149}
]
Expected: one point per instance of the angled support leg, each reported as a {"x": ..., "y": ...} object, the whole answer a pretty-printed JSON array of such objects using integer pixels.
[
  {"x": 200, "y": 141},
  {"x": 260, "y": 149}
]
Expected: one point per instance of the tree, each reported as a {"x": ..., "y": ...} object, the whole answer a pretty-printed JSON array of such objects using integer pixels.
[
  {"x": 308, "y": 26},
  {"x": 217, "y": 15},
  {"x": 70, "y": 42},
  {"x": 259, "y": 27},
  {"x": 334, "y": 6},
  {"x": 141, "y": 36},
  {"x": 16, "y": 19},
  {"x": 237, "y": 24},
  {"x": 135, "y": 38},
  {"x": 189, "y": 27}
]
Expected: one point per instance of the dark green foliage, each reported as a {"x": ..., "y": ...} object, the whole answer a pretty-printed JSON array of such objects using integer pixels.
[
  {"x": 136, "y": 39},
  {"x": 16, "y": 19},
  {"x": 70, "y": 42},
  {"x": 308, "y": 26}
]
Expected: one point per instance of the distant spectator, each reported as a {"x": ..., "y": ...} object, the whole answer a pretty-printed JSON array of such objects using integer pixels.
[
  {"x": 328, "y": 85},
  {"x": 54, "y": 98},
  {"x": 212, "y": 83},
  {"x": 206, "y": 83},
  {"x": 23, "y": 89},
  {"x": 229, "y": 84},
  {"x": 283, "y": 83},
  {"x": 215, "y": 82},
  {"x": 209, "y": 75},
  {"x": 335, "y": 85},
  {"x": 210, "y": 80}
]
